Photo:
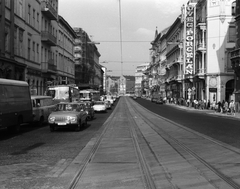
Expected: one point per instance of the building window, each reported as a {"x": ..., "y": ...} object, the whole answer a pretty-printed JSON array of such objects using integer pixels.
[
  {"x": 20, "y": 44},
  {"x": 34, "y": 17},
  {"x": 7, "y": 3},
  {"x": 38, "y": 53},
  {"x": 33, "y": 49},
  {"x": 29, "y": 49},
  {"x": 7, "y": 38},
  {"x": 37, "y": 20},
  {"x": 21, "y": 8},
  {"x": 29, "y": 14},
  {"x": 234, "y": 8},
  {"x": 15, "y": 40},
  {"x": 232, "y": 33}
]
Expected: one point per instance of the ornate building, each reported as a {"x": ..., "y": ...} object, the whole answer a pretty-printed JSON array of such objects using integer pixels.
[{"x": 88, "y": 72}]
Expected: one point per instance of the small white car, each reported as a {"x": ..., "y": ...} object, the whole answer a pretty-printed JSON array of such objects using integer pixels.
[{"x": 100, "y": 106}]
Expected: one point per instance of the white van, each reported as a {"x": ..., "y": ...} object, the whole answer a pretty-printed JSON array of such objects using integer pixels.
[{"x": 42, "y": 107}]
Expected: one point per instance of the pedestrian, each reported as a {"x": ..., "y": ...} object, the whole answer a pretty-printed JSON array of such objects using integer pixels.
[
  {"x": 219, "y": 106},
  {"x": 226, "y": 106},
  {"x": 188, "y": 102},
  {"x": 203, "y": 104},
  {"x": 208, "y": 104},
  {"x": 232, "y": 107}
]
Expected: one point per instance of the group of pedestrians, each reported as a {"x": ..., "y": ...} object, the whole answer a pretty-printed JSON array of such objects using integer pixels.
[
  {"x": 221, "y": 107},
  {"x": 224, "y": 107}
]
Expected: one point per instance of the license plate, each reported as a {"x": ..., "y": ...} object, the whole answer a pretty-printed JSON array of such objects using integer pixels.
[{"x": 62, "y": 124}]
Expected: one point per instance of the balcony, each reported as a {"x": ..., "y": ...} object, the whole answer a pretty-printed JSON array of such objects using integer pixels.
[
  {"x": 230, "y": 44},
  {"x": 48, "y": 10},
  {"x": 48, "y": 38},
  {"x": 201, "y": 72},
  {"x": 179, "y": 78},
  {"x": 201, "y": 47},
  {"x": 235, "y": 54},
  {"x": 49, "y": 66}
]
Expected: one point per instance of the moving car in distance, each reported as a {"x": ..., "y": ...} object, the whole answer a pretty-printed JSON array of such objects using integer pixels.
[
  {"x": 68, "y": 114},
  {"x": 100, "y": 106}
]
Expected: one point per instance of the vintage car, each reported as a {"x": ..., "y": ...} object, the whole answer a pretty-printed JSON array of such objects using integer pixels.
[
  {"x": 42, "y": 107},
  {"x": 99, "y": 106},
  {"x": 68, "y": 114},
  {"x": 160, "y": 101},
  {"x": 89, "y": 109}
]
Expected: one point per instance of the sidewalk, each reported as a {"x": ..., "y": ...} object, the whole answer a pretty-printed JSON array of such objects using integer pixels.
[{"x": 207, "y": 111}]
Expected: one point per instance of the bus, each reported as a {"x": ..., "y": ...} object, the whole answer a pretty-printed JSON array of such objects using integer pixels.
[
  {"x": 15, "y": 104},
  {"x": 63, "y": 93},
  {"x": 89, "y": 95}
]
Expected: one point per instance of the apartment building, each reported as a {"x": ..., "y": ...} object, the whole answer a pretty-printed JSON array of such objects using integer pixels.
[
  {"x": 33, "y": 42},
  {"x": 88, "y": 72},
  {"x": 139, "y": 77},
  {"x": 199, "y": 43},
  {"x": 64, "y": 53}
]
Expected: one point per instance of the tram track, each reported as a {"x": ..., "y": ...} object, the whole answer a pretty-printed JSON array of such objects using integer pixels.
[
  {"x": 92, "y": 152},
  {"x": 148, "y": 182},
  {"x": 184, "y": 150}
]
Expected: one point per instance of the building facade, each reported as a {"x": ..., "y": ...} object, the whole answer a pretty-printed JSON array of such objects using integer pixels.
[
  {"x": 36, "y": 44},
  {"x": 235, "y": 58},
  {"x": 139, "y": 76},
  {"x": 86, "y": 62},
  {"x": 198, "y": 62}
]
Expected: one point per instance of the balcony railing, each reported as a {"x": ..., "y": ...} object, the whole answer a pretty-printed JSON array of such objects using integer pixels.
[
  {"x": 201, "y": 71},
  {"x": 48, "y": 66},
  {"x": 49, "y": 38},
  {"x": 48, "y": 10},
  {"x": 235, "y": 53},
  {"x": 201, "y": 46}
]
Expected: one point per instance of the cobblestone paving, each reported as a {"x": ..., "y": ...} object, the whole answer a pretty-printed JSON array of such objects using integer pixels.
[{"x": 36, "y": 159}]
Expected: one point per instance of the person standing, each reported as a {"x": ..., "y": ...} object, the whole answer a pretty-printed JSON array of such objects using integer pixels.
[{"x": 232, "y": 107}]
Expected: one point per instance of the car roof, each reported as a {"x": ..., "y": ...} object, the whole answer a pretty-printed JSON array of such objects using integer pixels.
[{"x": 40, "y": 97}]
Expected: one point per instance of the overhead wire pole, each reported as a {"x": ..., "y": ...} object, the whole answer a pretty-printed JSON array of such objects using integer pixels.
[{"x": 120, "y": 19}]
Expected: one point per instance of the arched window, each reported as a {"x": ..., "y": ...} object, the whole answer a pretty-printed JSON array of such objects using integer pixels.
[
  {"x": 234, "y": 8},
  {"x": 37, "y": 87}
]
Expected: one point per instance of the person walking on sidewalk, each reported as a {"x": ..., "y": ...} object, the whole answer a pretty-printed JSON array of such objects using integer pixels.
[
  {"x": 225, "y": 107},
  {"x": 232, "y": 107}
]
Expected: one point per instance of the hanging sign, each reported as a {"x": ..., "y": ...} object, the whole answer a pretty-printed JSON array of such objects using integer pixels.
[{"x": 189, "y": 51}]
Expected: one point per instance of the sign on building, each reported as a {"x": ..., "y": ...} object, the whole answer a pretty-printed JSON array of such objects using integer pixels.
[{"x": 189, "y": 43}]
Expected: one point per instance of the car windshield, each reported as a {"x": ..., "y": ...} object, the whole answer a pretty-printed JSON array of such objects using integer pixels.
[
  {"x": 99, "y": 103},
  {"x": 67, "y": 107}
]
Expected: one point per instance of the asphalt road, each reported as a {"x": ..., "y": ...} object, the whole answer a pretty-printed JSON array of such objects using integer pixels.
[
  {"x": 35, "y": 151},
  {"x": 220, "y": 128}
]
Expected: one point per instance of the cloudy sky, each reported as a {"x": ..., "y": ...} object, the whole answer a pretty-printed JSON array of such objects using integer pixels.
[{"x": 139, "y": 19}]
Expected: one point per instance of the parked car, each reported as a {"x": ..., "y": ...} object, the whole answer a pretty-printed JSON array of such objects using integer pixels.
[
  {"x": 99, "y": 106},
  {"x": 89, "y": 109},
  {"x": 110, "y": 98},
  {"x": 160, "y": 101},
  {"x": 68, "y": 114},
  {"x": 42, "y": 107}
]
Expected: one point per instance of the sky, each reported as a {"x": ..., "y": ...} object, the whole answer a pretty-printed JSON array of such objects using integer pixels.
[{"x": 124, "y": 28}]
